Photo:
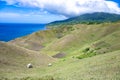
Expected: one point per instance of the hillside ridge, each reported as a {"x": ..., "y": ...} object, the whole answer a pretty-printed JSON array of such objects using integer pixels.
[{"x": 89, "y": 18}]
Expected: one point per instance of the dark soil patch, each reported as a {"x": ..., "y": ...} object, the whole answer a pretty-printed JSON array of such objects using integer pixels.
[{"x": 59, "y": 55}]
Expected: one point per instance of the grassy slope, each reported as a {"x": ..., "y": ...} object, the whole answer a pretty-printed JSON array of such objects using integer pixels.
[
  {"x": 73, "y": 40},
  {"x": 14, "y": 59},
  {"x": 100, "y": 67},
  {"x": 35, "y": 41},
  {"x": 101, "y": 38}
]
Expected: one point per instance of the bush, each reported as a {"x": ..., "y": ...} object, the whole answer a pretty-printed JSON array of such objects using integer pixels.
[
  {"x": 86, "y": 50},
  {"x": 86, "y": 55}
]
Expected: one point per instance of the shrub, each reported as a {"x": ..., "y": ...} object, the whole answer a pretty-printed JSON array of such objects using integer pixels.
[
  {"x": 86, "y": 55},
  {"x": 86, "y": 50}
]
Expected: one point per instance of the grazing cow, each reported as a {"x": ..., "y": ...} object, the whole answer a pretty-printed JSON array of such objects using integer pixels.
[{"x": 29, "y": 65}]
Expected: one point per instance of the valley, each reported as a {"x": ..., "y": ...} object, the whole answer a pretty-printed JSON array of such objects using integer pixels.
[{"x": 75, "y": 52}]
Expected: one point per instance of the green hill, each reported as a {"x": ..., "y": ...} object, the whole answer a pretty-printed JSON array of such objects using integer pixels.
[
  {"x": 73, "y": 39},
  {"x": 91, "y": 18},
  {"x": 76, "y": 52},
  {"x": 82, "y": 52}
]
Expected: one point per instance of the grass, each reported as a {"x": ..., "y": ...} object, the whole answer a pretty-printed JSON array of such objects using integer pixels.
[
  {"x": 13, "y": 59},
  {"x": 91, "y": 53},
  {"x": 99, "y": 67},
  {"x": 101, "y": 37},
  {"x": 29, "y": 78}
]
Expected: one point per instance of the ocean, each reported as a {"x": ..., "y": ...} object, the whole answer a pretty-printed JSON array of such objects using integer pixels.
[{"x": 10, "y": 31}]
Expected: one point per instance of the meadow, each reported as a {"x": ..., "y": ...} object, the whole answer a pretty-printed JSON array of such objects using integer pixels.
[{"x": 81, "y": 52}]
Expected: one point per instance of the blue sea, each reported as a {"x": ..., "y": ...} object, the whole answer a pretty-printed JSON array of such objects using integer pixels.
[{"x": 10, "y": 31}]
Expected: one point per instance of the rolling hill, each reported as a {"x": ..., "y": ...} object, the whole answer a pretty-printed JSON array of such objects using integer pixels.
[
  {"x": 73, "y": 39},
  {"x": 81, "y": 50},
  {"x": 76, "y": 51}
]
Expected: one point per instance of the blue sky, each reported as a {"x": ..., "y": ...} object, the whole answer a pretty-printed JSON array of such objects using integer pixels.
[
  {"x": 45, "y": 11},
  {"x": 118, "y": 1}
]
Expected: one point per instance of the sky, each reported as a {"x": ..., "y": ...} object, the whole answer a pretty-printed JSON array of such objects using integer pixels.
[{"x": 45, "y": 11}]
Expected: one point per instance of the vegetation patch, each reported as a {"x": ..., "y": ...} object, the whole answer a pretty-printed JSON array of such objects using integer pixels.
[
  {"x": 86, "y": 55},
  {"x": 87, "y": 52}
]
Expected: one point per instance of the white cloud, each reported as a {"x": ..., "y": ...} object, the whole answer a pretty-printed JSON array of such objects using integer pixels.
[
  {"x": 69, "y": 7},
  {"x": 8, "y": 15}
]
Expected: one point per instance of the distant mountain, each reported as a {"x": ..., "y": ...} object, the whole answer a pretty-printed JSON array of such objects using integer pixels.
[{"x": 91, "y": 18}]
